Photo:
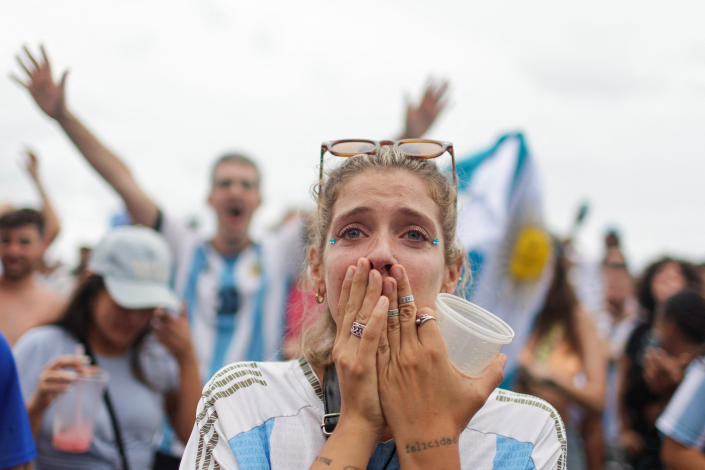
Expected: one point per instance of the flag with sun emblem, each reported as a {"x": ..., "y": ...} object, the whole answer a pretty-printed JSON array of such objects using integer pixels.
[{"x": 501, "y": 225}]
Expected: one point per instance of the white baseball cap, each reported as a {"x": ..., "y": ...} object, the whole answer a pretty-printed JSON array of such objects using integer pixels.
[{"x": 135, "y": 263}]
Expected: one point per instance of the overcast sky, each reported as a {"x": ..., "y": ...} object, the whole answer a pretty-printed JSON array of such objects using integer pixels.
[{"x": 611, "y": 96}]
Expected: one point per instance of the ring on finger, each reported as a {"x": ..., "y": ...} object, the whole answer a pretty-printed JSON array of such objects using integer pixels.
[
  {"x": 393, "y": 312},
  {"x": 406, "y": 299},
  {"x": 423, "y": 318},
  {"x": 356, "y": 329}
]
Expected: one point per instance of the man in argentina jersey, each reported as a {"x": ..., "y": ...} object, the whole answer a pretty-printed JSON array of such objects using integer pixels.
[
  {"x": 235, "y": 302},
  {"x": 262, "y": 416},
  {"x": 683, "y": 422}
]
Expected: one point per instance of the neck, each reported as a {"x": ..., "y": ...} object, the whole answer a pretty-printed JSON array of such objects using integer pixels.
[
  {"x": 226, "y": 245},
  {"x": 100, "y": 345},
  {"x": 20, "y": 283}
]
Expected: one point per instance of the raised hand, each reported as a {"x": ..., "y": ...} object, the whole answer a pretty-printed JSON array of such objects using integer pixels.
[
  {"x": 173, "y": 332},
  {"x": 420, "y": 117},
  {"x": 49, "y": 95},
  {"x": 32, "y": 165}
]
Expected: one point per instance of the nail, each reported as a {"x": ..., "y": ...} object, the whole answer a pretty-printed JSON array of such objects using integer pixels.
[{"x": 349, "y": 273}]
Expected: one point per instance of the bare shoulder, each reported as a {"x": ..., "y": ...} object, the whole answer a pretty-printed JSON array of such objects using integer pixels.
[{"x": 49, "y": 302}]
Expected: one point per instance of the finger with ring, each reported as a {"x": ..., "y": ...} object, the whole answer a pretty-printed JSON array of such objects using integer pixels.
[
  {"x": 406, "y": 299},
  {"x": 423, "y": 318},
  {"x": 356, "y": 329},
  {"x": 393, "y": 312}
]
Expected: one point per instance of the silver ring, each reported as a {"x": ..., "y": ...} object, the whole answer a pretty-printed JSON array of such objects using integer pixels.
[
  {"x": 356, "y": 329},
  {"x": 423, "y": 318},
  {"x": 406, "y": 299},
  {"x": 393, "y": 312}
]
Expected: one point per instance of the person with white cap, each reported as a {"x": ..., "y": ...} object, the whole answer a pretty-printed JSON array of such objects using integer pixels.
[{"x": 120, "y": 316}]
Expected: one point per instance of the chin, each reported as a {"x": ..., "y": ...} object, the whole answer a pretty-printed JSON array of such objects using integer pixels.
[{"x": 16, "y": 274}]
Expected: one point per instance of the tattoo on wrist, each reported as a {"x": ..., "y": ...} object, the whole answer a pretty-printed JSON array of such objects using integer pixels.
[
  {"x": 324, "y": 460},
  {"x": 420, "y": 446}
]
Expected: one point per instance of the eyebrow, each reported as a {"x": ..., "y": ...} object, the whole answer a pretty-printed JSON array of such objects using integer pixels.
[{"x": 405, "y": 211}]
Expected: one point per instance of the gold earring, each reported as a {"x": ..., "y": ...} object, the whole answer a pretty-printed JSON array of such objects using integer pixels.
[{"x": 320, "y": 298}]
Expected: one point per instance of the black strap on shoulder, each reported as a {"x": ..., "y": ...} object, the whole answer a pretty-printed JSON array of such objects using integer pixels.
[
  {"x": 331, "y": 400},
  {"x": 111, "y": 413}
]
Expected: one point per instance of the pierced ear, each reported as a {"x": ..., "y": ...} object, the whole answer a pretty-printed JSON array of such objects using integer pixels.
[{"x": 315, "y": 268}]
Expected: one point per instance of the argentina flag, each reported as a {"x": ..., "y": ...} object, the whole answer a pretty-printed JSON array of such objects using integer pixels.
[{"x": 501, "y": 225}]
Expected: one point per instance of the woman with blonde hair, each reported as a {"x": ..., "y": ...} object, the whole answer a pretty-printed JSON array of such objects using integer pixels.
[{"x": 375, "y": 387}]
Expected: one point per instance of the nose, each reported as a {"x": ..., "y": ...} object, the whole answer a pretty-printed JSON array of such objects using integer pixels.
[
  {"x": 382, "y": 256},
  {"x": 235, "y": 188}
]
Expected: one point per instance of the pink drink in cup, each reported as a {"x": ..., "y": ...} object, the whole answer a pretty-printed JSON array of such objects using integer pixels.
[{"x": 75, "y": 411}]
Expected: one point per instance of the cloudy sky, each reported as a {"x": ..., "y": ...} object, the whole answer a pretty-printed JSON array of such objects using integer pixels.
[{"x": 611, "y": 96}]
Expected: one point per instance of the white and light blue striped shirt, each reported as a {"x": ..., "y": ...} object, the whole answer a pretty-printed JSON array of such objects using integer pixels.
[
  {"x": 683, "y": 420},
  {"x": 264, "y": 416},
  {"x": 236, "y": 305}
]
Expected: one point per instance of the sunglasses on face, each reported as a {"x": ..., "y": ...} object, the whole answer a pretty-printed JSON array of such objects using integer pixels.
[{"x": 422, "y": 149}]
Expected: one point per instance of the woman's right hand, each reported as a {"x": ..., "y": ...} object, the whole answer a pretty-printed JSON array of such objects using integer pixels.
[
  {"x": 355, "y": 357},
  {"x": 55, "y": 378}
]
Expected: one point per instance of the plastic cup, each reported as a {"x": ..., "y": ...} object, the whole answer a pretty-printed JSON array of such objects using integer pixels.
[
  {"x": 473, "y": 336},
  {"x": 75, "y": 412}
]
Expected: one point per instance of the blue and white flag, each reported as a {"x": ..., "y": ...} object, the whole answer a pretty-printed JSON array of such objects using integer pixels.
[{"x": 501, "y": 225}]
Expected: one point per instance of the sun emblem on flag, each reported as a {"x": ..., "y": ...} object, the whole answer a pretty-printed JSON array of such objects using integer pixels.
[{"x": 531, "y": 252}]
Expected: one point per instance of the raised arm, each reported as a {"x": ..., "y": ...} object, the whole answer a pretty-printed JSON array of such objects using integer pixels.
[
  {"x": 420, "y": 117},
  {"x": 52, "y": 225},
  {"x": 50, "y": 96}
]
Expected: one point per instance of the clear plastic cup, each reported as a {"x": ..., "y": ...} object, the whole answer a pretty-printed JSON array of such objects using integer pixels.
[
  {"x": 472, "y": 334},
  {"x": 75, "y": 412}
]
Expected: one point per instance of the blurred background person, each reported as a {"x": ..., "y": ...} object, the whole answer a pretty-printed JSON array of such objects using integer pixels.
[
  {"x": 562, "y": 361},
  {"x": 681, "y": 335},
  {"x": 615, "y": 323},
  {"x": 80, "y": 271},
  {"x": 25, "y": 302},
  {"x": 111, "y": 316},
  {"x": 638, "y": 404}
]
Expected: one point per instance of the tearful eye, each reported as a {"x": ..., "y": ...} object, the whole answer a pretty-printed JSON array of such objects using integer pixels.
[
  {"x": 352, "y": 233},
  {"x": 416, "y": 235}
]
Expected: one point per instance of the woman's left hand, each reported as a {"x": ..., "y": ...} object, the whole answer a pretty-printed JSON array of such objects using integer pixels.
[
  {"x": 424, "y": 397},
  {"x": 173, "y": 332}
]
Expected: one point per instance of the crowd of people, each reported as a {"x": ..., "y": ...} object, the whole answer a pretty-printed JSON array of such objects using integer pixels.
[{"x": 317, "y": 346}]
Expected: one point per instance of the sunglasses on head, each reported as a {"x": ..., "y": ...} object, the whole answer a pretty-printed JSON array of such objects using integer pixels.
[{"x": 422, "y": 149}]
